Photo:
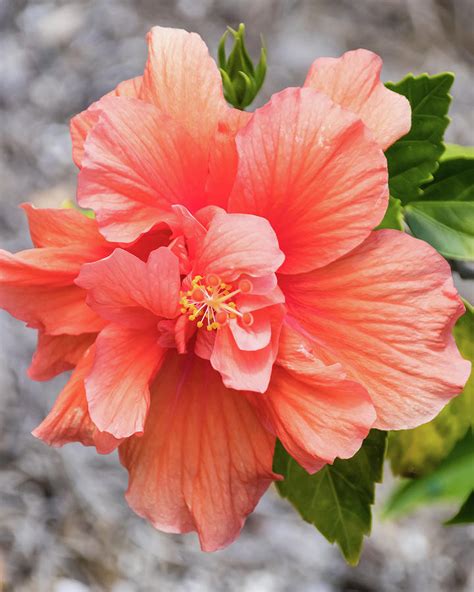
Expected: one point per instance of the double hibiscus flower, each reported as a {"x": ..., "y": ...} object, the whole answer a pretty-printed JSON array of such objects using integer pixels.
[{"x": 231, "y": 288}]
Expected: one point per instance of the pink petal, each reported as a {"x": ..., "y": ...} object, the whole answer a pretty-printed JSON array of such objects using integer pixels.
[
  {"x": 301, "y": 356},
  {"x": 319, "y": 419},
  {"x": 50, "y": 266},
  {"x": 247, "y": 370},
  {"x": 262, "y": 285},
  {"x": 353, "y": 81},
  {"x": 238, "y": 244},
  {"x": 137, "y": 163},
  {"x": 56, "y": 310},
  {"x": 36, "y": 285},
  {"x": 255, "y": 337},
  {"x": 165, "y": 281},
  {"x": 125, "y": 290},
  {"x": 204, "y": 460},
  {"x": 176, "y": 333},
  {"x": 315, "y": 173},
  {"x": 131, "y": 88},
  {"x": 385, "y": 312},
  {"x": 69, "y": 420},
  {"x": 204, "y": 345},
  {"x": 186, "y": 225},
  {"x": 207, "y": 214},
  {"x": 256, "y": 301},
  {"x": 58, "y": 353},
  {"x": 117, "y": 387},
  {"x": 183, "y": 81},
  {"x": 158, "y": 237},
  {"x": 61, "y": 227},
  {"x": 82, "y": 123},
  {"x": 223, "y": 158}
]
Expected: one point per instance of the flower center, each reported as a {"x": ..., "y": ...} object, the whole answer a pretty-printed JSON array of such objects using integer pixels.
[{"x": 209, "y": 302}]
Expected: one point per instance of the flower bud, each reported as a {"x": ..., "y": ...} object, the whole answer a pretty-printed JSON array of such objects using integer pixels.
[{"x": 240, "y": 78}]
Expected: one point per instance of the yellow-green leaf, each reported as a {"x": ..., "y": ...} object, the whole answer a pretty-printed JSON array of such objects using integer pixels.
[{"x": 452, "y": 480}]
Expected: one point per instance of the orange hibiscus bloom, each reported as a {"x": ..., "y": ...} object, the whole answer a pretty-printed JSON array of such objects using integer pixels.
[{"x": 232, "y": 288}]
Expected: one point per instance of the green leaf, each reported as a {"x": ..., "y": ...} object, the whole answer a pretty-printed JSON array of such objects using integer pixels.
[
  {"x": 447, "y": 225},
  {"x": 337, "y": 498},
  {"x": 393, "y": 216},
  {"x": 453, "y": 181},
  {"x": 456, "y": 151},
  {"x": 466, "y": 512},
  {"x": 417, "y": 452},
  {"x": 413, "y": 159},
  {"x": 452, "y": 480}
]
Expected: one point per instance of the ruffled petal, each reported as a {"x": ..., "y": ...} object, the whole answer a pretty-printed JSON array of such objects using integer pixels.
[
  {"x": 61, "y": 227},
  {"x": 131, "y": 88},
  {"x": 117, "y": 387},
  {"x": 353, "y": 81},
  {"x": 57, "y": 353},
  {"x": 238, "y": 244},
  {"x": 56, "y": 310},
  {"x": 247, "y": 369},
  {"x": 183, "y": 81},
  {"x": 315, "y": 411},
  {"x": 204, "y": 460},
  {"x": 69, "y": 420},
  {"x": 386, "y": 311},
  {"x": 125, "y": 290},
  {"x": 223, "y": 157},
  {"x": 137, "y": 163},
  {"x": 187, "y": 227},
  {"x": 314, "y": 171},
  {"x": 50, "y": 266},
  {"x": 317, "y": 420},
  {"x": 36, "y": 286},
  {"x": 83, "y": 122}
]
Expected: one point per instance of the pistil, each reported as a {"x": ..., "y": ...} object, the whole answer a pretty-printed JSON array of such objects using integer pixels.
[{"x": 209, "y": 301}]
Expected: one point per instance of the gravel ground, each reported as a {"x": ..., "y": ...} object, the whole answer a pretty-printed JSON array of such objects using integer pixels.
[{"x": 64, "y": 526}]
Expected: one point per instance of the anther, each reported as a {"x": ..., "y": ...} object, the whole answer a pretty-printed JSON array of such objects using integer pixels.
[
  {"x": 209, "y": 302},
  {"x": 197, "y": 295},
  {"x": 247, "y": 319},
  {"x": 245, "y": 286},
  {"x": 221, "y": 317},
  {"x": 213, "y": 280}
]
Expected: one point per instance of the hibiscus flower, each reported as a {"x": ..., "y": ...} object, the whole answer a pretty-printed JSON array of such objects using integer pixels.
[{"x": 232, "y": 288}]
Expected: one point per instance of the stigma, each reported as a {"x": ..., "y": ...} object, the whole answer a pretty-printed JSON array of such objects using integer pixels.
[{"x": 209, "y": 301}]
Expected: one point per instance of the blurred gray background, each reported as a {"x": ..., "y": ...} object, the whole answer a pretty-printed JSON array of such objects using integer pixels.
[{"x": 64, "y": 526}]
